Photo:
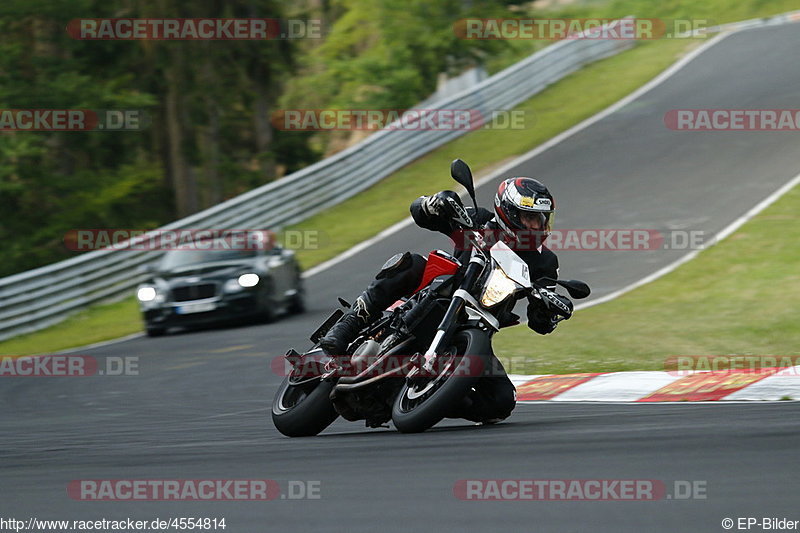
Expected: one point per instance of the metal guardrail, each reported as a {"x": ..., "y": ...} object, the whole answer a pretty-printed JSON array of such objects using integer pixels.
[{"x": 37, "y": 298}]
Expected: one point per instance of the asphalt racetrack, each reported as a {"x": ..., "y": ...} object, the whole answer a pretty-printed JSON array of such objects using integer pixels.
[{"x": 199, "y": 407}]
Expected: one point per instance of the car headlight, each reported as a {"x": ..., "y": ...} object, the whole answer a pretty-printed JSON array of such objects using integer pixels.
[
  {"x": 498, "y": 288},
  {"x": 244, "y": 281},
  {"x": 146, "y": 294}
]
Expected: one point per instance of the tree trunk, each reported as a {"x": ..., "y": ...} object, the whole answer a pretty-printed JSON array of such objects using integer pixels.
[
  {"x": 182, "y": 179},
  {"x": 209, "y": 136},
  {"x": 261, "y": 125}
]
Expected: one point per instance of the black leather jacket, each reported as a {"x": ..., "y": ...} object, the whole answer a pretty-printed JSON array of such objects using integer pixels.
[{"x": 542, "y": 262}]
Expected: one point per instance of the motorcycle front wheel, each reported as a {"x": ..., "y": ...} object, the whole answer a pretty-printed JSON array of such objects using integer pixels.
[{"x": 424, "y": 403}]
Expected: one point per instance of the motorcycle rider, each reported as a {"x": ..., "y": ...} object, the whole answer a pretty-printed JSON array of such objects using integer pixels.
[{"x": 522, "y": 206}]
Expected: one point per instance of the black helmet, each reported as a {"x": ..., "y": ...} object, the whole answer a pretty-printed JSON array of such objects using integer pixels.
[{"x": 517, "y": 196}]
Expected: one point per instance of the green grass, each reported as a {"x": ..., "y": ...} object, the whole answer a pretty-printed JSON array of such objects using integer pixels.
[
  {"x": 559, "y": 107},
  {"x": 739, "y": 297},
  {"x": 552, "y": 111},
  {"x": 710, "y": 11},
  {"x": 714, "y": 11},
  {"x": 95, "y": 324}
]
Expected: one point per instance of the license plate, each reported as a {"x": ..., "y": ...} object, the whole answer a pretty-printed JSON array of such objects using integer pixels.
[{"x": 195, "y": 308}]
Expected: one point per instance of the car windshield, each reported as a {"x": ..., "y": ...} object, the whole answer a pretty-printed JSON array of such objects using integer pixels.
[{"x": 180, "y": 258}]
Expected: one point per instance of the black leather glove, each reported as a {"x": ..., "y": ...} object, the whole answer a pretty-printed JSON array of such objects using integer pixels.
[
  {"x": 432, "y": 205},
  {"x": 558, "y": 305},
  {"x": 544, "y": 315},
  {"x": 447, "y": 205},
  {"x": 539, "y": 319}
]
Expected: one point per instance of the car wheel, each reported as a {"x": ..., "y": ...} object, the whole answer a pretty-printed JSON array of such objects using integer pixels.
[
  {"x": 153, "y": 331},
  {"x": 297, "y": 305},
  {"x": 268, "y": 313}
]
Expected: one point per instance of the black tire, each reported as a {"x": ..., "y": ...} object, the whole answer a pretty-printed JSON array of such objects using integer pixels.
[
  {"x": 413, "y": 416},
  {"x": 303, "y": 411},
  {"x": 268, "y": 314},
  {"x": 153, "y": 331},
  {"x": 297, "y": 303}
]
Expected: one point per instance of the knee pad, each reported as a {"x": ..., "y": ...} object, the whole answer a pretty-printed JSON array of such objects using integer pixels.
[
  {"x": 398, "y": 277},
  {"x": 508, "y": 399},
  {"x": 396, "y": 264}
]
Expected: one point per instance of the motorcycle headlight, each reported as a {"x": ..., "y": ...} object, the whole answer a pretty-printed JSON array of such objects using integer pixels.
[
  {"x": 146, "y": 294},
  {"x": 498, "y": 288}
]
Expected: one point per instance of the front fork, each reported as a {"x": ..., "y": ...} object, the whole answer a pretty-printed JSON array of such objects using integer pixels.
[{"x": 450, "y": 320}]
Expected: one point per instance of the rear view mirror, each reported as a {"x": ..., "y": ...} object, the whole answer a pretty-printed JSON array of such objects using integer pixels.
[
  {"x": 460, "y": 172},
  {"x": 576, "y": 288}
]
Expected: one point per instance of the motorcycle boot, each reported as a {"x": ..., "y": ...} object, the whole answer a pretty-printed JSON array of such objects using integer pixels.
[
  {"x": 345, "y": 331},
  {"x": 398, "y": 277}
]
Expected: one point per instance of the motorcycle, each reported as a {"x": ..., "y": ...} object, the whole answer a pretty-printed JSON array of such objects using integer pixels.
[{"x": 427, "y": 352}]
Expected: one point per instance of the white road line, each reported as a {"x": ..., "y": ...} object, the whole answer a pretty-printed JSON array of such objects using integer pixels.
[
  {"x": 649, "y": 86},
  {"x": 692, "y": 402},
  {"x": 99, "y": 344},
  {"x": 655, "y": 82},
  {"x": 358, "y": 248},
  {"x": 536, "y": 151},
  {"x": 728, "y": 230}
]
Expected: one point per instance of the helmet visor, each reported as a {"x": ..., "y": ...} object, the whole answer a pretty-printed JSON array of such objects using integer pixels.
[{"x": 536, "y": 220}]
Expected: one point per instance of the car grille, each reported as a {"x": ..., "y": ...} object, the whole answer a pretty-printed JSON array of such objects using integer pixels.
[{"x": 194, "y": 292}]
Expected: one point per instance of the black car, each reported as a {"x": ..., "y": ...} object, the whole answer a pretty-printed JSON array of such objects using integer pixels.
[{"x": 191, "y": 287}]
